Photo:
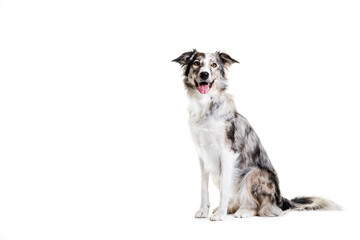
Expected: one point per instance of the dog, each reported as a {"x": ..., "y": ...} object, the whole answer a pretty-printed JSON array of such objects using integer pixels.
[{"x": 228, "y": 148}]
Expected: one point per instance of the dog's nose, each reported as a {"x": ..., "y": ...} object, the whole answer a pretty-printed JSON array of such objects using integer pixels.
[{"x": 204, "y": 75}]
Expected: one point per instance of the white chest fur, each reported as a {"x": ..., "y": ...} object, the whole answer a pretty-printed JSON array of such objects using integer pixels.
[
  {"x": 209, "y": 141},
  {"x": 208, "y": 133}
]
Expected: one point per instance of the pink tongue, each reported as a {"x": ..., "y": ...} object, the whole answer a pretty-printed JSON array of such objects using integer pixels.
[{"x": 204, "y": 89}]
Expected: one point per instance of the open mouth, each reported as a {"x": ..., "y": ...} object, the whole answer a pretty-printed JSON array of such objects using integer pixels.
[{"x": 203, "y": 87}]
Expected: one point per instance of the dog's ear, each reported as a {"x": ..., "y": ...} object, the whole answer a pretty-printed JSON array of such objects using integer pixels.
[
  {"x": 225, "y": 59},
  {"x": 185, "y": 58}
]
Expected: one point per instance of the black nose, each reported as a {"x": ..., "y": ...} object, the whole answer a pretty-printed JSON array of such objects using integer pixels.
[{"x": 204, "y": 75}]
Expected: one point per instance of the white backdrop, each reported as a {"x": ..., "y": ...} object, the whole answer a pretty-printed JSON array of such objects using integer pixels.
[{"x": 94, "y": 142}]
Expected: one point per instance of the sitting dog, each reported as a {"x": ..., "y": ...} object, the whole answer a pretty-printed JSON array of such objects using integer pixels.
[{"x": 229, "y": 149}]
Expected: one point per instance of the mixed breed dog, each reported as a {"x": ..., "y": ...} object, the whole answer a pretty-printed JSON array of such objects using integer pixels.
[{"x": 229, "y": 149}]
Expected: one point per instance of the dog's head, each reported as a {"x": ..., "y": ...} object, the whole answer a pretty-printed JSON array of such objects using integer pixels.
[{"x": 205, "y": 73}]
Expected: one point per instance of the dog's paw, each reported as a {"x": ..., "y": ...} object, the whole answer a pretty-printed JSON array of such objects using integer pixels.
[
  {"x": 202, "y": 213},
  {"x": 244, "y": 213},
  {"x": 217, "y": 217}
]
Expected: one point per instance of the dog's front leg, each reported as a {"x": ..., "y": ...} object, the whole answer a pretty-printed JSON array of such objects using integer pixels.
[
  {"x": 205, "y": 203},
  {"x": 225, "y": 188}
]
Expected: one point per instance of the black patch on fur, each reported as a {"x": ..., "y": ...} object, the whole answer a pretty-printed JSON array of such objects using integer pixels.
[
  {"x": 285, "y": 204},
  {"x": 302, "y": 200},
  {"x": 230, "y": 132},
  {"x": 240, "y": 138},
  {"x": 186, "y": 60},
  {"x": 255, "y": 155},
  {"x": 221, "y": 66},
  {"x": 188, "y": 66}
]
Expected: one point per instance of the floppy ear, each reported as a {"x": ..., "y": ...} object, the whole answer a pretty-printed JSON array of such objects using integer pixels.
[
  {"x": 225, "y": 59},
  {"x": 185, "y": 58}
]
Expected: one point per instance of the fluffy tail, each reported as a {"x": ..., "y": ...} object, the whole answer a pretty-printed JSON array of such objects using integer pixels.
[{"x": 309, "y": 203}]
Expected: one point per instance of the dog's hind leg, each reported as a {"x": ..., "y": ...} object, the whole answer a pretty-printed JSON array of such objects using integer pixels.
[
  {"x": 257, "y": 194},
  {"x": 247, "y": 204}
]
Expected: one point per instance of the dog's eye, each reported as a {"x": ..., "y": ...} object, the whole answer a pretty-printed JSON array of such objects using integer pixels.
[
  {"x": 214, "y": 65},
  {"x": 196, "y": 63}
]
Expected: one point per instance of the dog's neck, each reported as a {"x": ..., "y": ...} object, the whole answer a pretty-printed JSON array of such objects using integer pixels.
[
  {"x": 206, "y": 105},
  {"x": 204, "y": 100}
]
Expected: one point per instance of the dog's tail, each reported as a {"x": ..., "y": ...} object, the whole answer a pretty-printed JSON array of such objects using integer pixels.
[{"x": 309, "y": 203}]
